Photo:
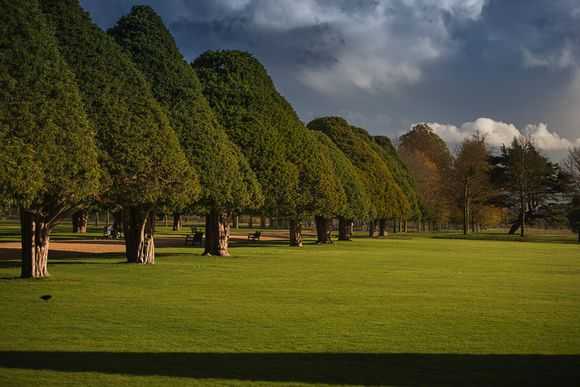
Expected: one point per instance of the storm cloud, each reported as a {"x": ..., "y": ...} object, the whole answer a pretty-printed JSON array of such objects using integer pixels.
[{"x": 385, "y": 65}]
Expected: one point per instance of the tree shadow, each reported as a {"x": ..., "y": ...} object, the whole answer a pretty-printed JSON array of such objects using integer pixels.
[{"x": 403, "y": 369}]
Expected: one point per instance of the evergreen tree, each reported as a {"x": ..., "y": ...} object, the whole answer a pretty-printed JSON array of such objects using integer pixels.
[
  {"x": 296, "y": 177},
  {"x": 357, "y": 204},
  {"x": 527, "y": 183},
  {"x": 140, "y": 152},
  {"x": 409, "y": 206},
  {"x": 228, "y": 183},
  {"x": 50, "y": 158},
  {"x": 385, "y": 194}
]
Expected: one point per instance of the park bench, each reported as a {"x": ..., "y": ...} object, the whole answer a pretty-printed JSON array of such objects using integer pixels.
[
  {"x": 195, "y": 238},
  {"x": 254, "y": 236}
]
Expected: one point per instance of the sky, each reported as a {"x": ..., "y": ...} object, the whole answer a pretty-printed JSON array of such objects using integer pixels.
[{"x": 499, "y": 67}]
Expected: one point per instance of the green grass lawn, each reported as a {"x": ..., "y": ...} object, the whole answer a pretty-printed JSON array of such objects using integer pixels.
[{"x": 403, "y": 311}]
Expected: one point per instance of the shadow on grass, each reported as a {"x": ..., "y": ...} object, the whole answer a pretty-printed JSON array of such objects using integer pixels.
[{"x": 329, "y": 368}]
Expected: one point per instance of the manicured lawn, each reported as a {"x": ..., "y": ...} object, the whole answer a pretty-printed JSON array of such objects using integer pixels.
[{"x": 401, "y": 311}]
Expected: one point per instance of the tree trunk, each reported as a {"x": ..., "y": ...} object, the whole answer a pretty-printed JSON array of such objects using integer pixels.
[
  {"x": 35, "y": 235},
  {"x": 514, "y": 227},
  {"x": 295, "y": 229},
  {"x": 323, "y": 229},
  {"x": 578, "y": 236},
  {"x": 97, "y": 219},
  {"x": 405, "y": 226},
  {"x": 262, "y": 221},
  {"x": 344, "y": 229},
  {"x": 217, "y": 234},
  {"x": 394, "y": 225},
  {"x": 522, "y": 215},
  {"x": 177, "y": 221},
  {"x": 139, "y": 227},
  {"x": 382, "y": 227},
  {"x": 372, "y": 229},
  {"x": 80, "y": 220},
  {"x": 237, "y": 221},
  {"x": 466, "y": 214}
]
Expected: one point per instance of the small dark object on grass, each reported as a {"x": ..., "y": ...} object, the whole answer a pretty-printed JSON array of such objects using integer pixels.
[{"x": 46, "y": 297}]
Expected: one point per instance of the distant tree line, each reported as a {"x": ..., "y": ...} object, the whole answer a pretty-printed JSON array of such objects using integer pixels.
[{"x": 119, "y": 120}]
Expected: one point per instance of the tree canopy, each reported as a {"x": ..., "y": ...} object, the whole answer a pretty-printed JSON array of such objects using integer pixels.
[
  {"x": 364, "y": 154},
  {"x": 140, "y": 151},
  {"x": 296, "y": 177},
  {"x": 429, "y": 161},
  {"x": 410, "y": 206},
  {"x": 226, "y": 177}
]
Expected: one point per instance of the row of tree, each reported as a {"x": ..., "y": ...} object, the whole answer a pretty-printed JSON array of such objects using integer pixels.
[
  {"x": 515, "y": 184},
  {"x": 120, "y": 120}
]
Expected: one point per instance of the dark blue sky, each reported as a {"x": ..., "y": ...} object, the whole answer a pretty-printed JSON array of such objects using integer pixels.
[{"x": 385, "y": 65}]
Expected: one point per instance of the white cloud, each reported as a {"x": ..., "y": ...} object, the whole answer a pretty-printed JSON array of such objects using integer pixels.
[{"x": 498, "y": 133}]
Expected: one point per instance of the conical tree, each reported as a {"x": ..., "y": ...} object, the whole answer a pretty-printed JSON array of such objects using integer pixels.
[
  {"x": 385, "y": 194},
  {"x": 45, "y": 127},
  {"x": 409, "y": 206},
  {"x": 357, "y": 204},
  {"x": 228, "y": 182},
  {"x": 140, "y": 152},
  {"x": 297, "y": 179}
]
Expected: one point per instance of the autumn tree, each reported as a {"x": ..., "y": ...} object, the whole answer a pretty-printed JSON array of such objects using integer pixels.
[
  {"x": 228, "y": 183},
  {"x": 471, "y": 177},
  {"x": 139, "y": 150},
  {"x": 48, "y": 152},
  {"x": 296, "y": 177},
  {"x": 429, "y": 161}
]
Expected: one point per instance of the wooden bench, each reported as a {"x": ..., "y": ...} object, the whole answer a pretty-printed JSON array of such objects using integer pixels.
[{"x": 255, "y": 236}]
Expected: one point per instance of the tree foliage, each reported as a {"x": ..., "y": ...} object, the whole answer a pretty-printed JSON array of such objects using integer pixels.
[
  {"x": 527, "y": 182},
  {"x": 357, "y": 202},
  {"x": 226, "y": 177},
  {"x": 471, "y": 178},
  {"x": 410, "y": 206},
  {"x": 364, "y": 154},
  {"x": 429, "y": 161},
  {"x": 295, "y": 176},
  {"x": 48, "y": 147},
  {"x": 139, "y": 150}
]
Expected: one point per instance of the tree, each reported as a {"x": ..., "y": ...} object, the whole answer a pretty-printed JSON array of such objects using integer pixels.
[
  {"x": 49, "y": 147},
  {"x": 140, "y": 153},
  {"x": 228, "y": 182},
  {"x": 527, "y": 182},
  {"x": 295, "y": 176},
  {"x": 385, "y": 194},
  {"x": 574, "y": 216},
  {"x": 408, "y": 204},
  {"x": 429, "y": 160},
  {"x": 357, "y": 202},
  {"x": 471, "y": 177}
]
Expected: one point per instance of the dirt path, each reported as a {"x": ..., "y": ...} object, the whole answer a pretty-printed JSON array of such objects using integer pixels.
[{"x": 74, "y": 247}]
